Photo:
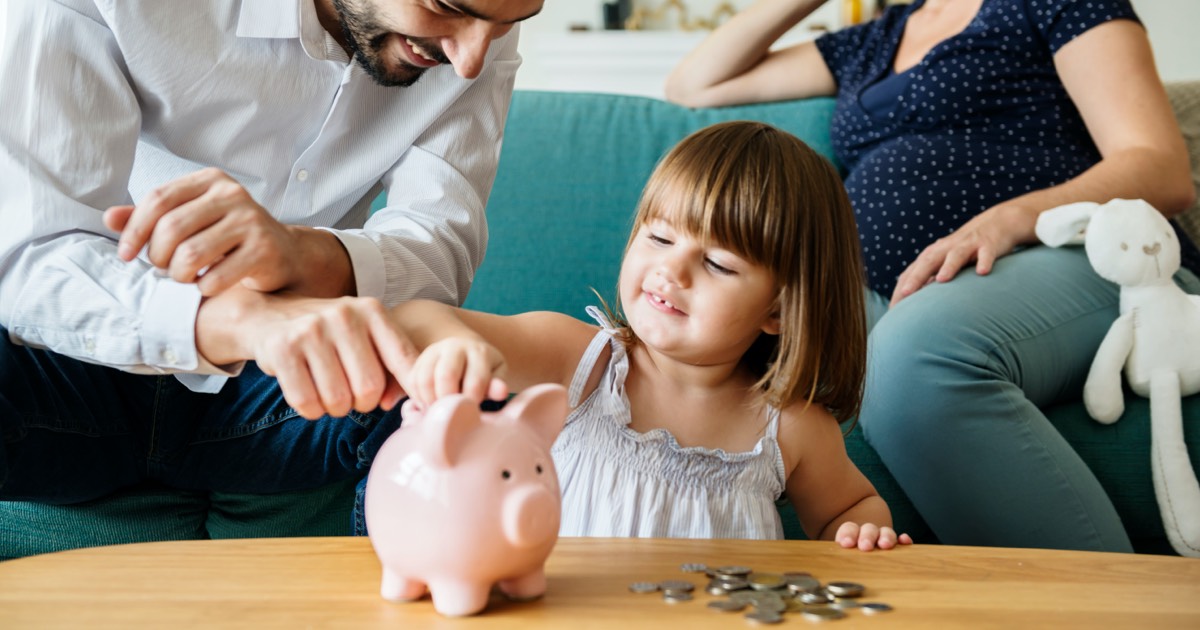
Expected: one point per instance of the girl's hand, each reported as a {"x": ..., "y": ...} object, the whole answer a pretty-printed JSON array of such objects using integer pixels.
[
  {"x": 456, "y": 365},
  {"x": 869, "y": 536},
  {"x": 990, "y": 235}
]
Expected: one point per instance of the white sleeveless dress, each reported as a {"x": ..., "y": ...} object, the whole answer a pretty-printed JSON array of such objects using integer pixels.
[{"x": 621, "y": 483}]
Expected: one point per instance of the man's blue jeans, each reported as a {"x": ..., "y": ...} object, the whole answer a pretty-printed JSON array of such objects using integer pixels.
[{"x": 73, "y": 431}]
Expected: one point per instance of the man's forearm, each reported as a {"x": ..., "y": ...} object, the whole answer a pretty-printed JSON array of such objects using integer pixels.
[
  {"x": 225, "y": 321},
  {"x": 324, "y": 268}
]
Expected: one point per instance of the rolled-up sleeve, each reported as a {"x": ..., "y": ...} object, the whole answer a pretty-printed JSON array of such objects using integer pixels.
[
  {"x": 67, "y": 142},
  {"x": 432, "y": 233}
]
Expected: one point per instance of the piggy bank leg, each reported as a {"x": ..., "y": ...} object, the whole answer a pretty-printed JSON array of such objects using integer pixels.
[
  {"x": 456, "y": 599},
  {"x": 525, "y": 588},
  {"x": 400, "y": 589}
]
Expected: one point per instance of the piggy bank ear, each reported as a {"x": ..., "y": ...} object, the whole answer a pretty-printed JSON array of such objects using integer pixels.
[
  {"x": 445, "y": 427},
  {"x": 1065, "y": 225},
  {"x": 411, "y": 412},
  {"x": 542, "y": 407}
]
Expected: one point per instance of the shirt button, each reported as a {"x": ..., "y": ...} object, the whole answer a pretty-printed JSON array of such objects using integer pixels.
[
  {"x": 302, "y": 175},
  {"x": 89, "y": 345},
  {"x": 169, "y": 356}
]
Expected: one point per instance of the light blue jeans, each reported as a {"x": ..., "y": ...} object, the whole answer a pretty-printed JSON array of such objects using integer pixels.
[{"x": 956, "y": 376}]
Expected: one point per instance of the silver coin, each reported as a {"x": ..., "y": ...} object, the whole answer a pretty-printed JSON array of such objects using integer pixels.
[
  {"x": 675, "y": 597},
  {"x": 822, "y": 613},
  {"x": 734, "y": 570},
  {"x": 733, "y": 583},
  {"x": 845, "y": 589},
  {"x": 815, "y": 597},
  {"x": 693, "y": 567},
  {"x": 874, "y": 608},
  {"x": 802, "y": 584},
  {"x": 770, "y": 605},
  {"x": 790, "y": 575},
  {"x": 845, "y": 604},
  {"x": 744, "y": 597},
  {"x": 726, "y": 605},
  {"x": 766, "y": 581},
  {"x": 762, "y": 596},
  {"x": 643, "y": 587},
  {"x": 716, "y": 588},
  {"x": 677, "y": 585},
  {"x": 764, "y": 617}
]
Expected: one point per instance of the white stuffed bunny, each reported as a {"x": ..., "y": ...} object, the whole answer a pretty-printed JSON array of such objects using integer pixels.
[{"x": 1156, "y": 339}]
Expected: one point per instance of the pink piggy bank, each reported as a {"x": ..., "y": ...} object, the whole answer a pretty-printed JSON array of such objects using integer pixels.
[{"x": 458, "y": 500}]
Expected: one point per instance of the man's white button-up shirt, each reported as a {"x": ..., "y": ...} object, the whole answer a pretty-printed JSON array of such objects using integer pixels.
[{"x": 104, "y": 100}]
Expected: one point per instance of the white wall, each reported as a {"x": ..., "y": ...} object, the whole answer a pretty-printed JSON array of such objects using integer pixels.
[
  {"x": 1174, "y": 27},
  {"x": 620, "y": 61}
]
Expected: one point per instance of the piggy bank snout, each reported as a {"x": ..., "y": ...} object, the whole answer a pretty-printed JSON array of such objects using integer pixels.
[{"x": 530, "y": 515}]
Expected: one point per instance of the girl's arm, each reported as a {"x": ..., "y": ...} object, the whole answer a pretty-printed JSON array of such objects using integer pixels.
[
  {"x": 1110, "y": 75},
  {"x": 832, "y": 497},
  {"x": 466, "y": 351},
  {"x": 734, "y": 65}
]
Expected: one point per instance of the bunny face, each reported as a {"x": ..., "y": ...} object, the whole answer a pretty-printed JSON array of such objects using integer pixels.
[{"x": 1132, "y": 244}]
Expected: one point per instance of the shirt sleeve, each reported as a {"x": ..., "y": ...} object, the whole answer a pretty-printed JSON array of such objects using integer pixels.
[
  {"x": 67, "y": 142},
  {"x": 843, "y": 49},
  {"x": 1060, "y": 21},
  {"x": 430, "y": 237}
]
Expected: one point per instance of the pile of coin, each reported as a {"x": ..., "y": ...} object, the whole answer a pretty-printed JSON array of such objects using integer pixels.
[{"x": 768, "y": 596}]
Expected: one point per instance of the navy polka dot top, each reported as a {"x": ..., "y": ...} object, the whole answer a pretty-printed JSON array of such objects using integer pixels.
[{"x": 981, "y": 119}]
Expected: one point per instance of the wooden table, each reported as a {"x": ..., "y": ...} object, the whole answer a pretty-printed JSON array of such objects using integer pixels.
[{"x": 334, "y": 583}]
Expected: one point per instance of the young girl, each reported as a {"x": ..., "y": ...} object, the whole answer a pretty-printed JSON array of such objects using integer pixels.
[{"x": 743, "y": 346}]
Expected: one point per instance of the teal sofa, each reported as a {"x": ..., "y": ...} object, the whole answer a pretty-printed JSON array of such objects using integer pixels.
[{"x": 571, "y": 170}]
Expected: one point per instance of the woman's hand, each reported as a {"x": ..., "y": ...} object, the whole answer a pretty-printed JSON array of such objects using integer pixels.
[
  {"x": 869, "y": 536},
  {"x": 992, "y": 234}
]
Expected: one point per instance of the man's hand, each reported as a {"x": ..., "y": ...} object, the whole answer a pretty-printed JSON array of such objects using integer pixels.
[
  {"x": 205, "y": 228},
  {"x": 329, "y": 355}
]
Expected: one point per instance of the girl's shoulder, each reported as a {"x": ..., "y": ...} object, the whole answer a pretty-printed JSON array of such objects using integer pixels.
[
  {"x": 555, "y": 322},
  {"x": 538, "y": 346},
  {"x": 805, "y": 428}
]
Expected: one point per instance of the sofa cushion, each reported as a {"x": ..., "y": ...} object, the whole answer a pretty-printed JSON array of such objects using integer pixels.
[
  {"x": 571, "y": 170},
  {"x": 1185, "y": 100},
  {"x": 150, "y": 513}
]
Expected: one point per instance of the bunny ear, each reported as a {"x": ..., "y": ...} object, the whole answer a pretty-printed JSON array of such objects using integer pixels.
[{"x": 1065, "y": 225}]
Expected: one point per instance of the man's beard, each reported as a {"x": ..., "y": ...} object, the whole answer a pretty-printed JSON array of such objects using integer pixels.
[{"x": 367, "y": 38}]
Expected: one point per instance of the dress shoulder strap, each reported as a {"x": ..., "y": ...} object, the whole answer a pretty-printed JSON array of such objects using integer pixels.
[
  {"x": 773, "y": 415},
  {"x": 588, "y": 362},
  {"x": 601, "y": 317}
]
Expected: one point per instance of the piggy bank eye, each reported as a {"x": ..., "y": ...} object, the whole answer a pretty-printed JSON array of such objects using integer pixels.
[
  {"x": 539, "y": 469},
  {"x": 505, "y": 474},
  {"x": 1124, "y": 246}
]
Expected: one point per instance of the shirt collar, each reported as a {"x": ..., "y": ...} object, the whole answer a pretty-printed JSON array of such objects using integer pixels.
[
  {"x": 286, "y": 19},
  {"x": 271, "y": 19}
]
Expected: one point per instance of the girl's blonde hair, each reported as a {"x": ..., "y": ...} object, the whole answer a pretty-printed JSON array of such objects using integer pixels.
[{"x": 763, "y": 194}]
